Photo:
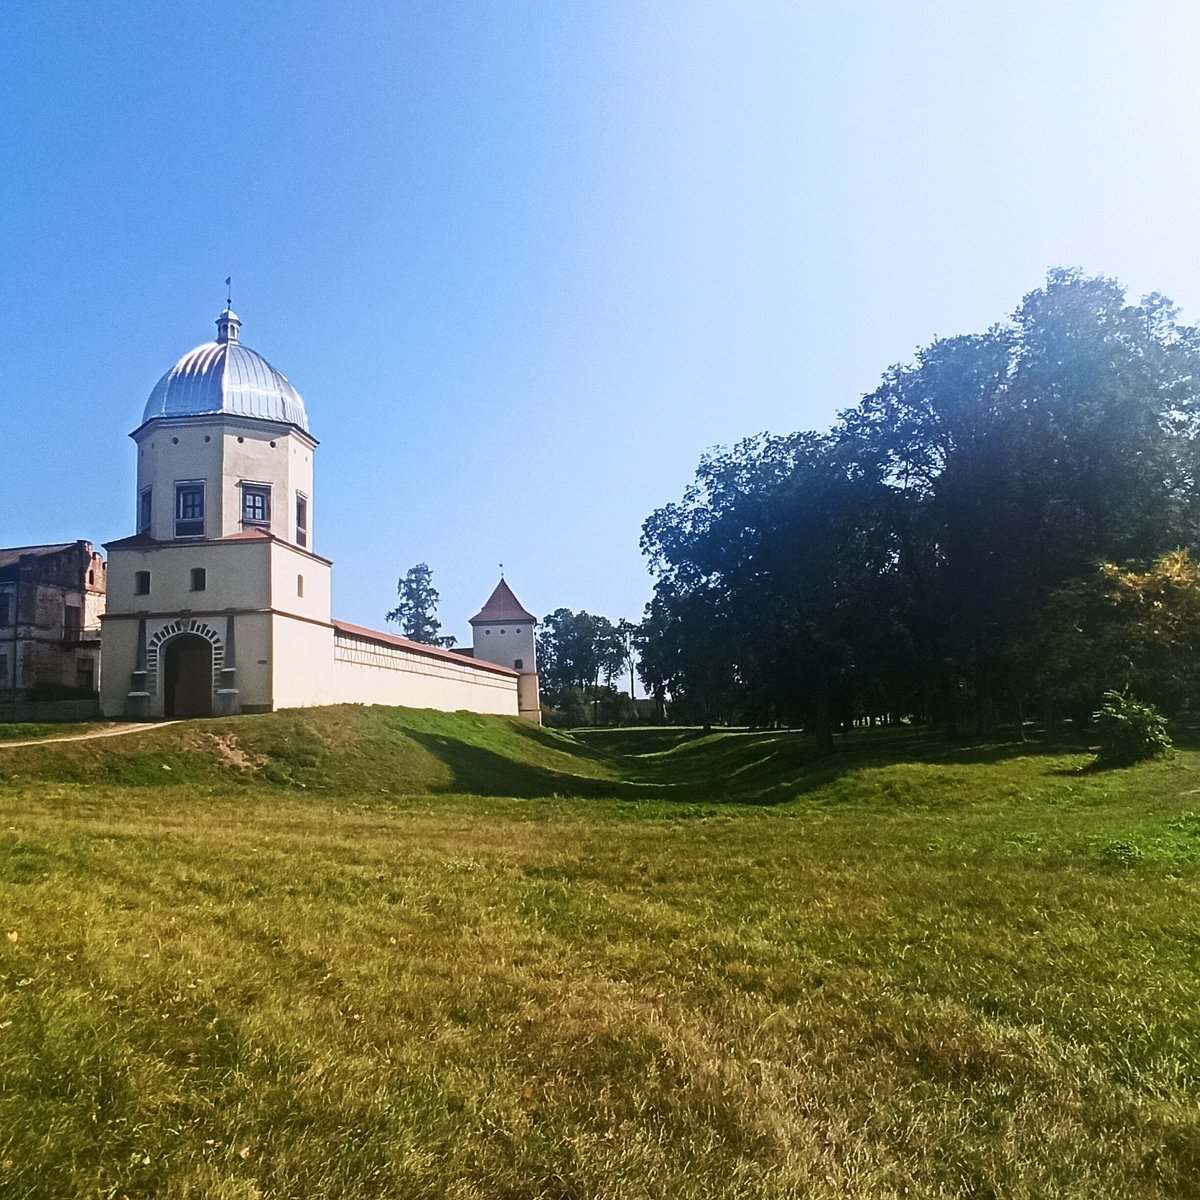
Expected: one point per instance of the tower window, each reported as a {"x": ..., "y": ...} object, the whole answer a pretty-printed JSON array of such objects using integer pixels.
[
  {"x": 141, "y": 583},
  {"x": 144, "y": 510},
  {"x": 199, "y": 579},
  {"x": 301, "y": 519},
  {"x": 6, "y": 608},
  {"x": 519, "y": 664},
  {"x": 256, "y": 505},
  {"x": 189, "y": 510},
  {"x": 299, "y": 585}
]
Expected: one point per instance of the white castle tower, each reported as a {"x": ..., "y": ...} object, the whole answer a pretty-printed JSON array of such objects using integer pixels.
[
  {"x": 217, "y": 604},
  {"x": 502, "y": 632}
]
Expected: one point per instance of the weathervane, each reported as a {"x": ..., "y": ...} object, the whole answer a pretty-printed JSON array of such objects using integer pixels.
[
  {"x": 501, "y": 570},
  {"x": 228, "y": 291}
]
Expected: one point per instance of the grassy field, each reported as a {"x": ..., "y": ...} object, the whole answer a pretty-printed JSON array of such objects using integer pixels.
[{"x": 365, "y": 953}]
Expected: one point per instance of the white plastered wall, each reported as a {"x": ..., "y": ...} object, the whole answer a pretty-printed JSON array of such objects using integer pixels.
[
  {"x": 225, "y": 452},
  {"x": 368, "y": 672},
  {"x": 505, "y": 643},
  {"x": 302, "y": 657}
]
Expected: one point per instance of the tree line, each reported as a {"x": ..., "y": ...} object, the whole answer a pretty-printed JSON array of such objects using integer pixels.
[
  {"x": 1001, "y": 531},
  {"x": 966, "y": 545}
]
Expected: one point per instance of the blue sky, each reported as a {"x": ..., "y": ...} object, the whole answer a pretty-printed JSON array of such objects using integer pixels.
[{"x": 526, "y": 262}]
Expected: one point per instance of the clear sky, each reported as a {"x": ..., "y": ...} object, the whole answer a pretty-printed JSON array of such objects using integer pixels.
[{"x": 525, "y": 262}]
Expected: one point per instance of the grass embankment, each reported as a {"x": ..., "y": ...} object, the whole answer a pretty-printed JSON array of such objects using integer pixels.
[{"x": 287, "y": 956}]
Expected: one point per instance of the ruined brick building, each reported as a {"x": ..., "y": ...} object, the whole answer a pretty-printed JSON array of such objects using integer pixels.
[{"x": 51, "y": 599}]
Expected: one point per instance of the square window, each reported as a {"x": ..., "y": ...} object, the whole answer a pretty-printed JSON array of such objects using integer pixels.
[
  {"x": 199, "y": 579},
  {"x": 141, "y": 583},
  {"x": 256, "y": 505},
  {"x": 189, "y": 510}
]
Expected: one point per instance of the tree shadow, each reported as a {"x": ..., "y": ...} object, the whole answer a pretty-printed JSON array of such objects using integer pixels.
[
  {"x": 691, "y": 766},
  {"x": 482, "y": 772}
]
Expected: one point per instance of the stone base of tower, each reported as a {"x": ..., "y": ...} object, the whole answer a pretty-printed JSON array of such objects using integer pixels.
[{"x": 529, "y": 699}]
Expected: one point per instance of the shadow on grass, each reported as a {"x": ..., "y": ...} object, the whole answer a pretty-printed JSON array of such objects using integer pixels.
[
  {"x": 696, "y": 767},
  {"x": 483, "y": 772}
]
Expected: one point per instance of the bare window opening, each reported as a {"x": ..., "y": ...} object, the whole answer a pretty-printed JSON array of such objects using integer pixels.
[
  {"x": 299, "y": 585},
  {"x": 141, "y": 583},
  {"x": 71, "y": 622},
  {"x": 144, "y": 510},
  {"x": 6, "y": 608},
  {"x": 199, "y": 579},
  {"x": 519, "y": 664}
]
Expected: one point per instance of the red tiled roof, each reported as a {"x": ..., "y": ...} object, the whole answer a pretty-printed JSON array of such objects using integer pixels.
[
  {"x": 501, "y": 605},
  {"x": 133, "y": 541},
  {"x": 390, "y": 639}
]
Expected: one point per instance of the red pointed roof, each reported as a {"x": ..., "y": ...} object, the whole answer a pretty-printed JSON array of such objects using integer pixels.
[{"x": 501, "y": 605}]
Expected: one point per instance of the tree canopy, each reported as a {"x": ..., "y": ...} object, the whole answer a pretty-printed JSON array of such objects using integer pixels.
[{"x": 903, "y": 562}]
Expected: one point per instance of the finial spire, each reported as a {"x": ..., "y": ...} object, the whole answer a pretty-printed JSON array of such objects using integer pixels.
[
  {"x": 227, "y": 326},
  {"x": 501, "y": 570},
  {"x": 228, "y": 291}
]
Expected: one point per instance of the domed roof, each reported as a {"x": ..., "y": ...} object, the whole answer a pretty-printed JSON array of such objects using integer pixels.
[{"x": 226, "y": 377}]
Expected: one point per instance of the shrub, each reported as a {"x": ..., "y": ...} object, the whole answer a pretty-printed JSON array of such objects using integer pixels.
[{"x": 1130, "y": 731}]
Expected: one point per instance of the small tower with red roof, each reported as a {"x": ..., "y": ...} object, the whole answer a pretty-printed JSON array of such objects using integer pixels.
[{"x": 502, "y": 632}]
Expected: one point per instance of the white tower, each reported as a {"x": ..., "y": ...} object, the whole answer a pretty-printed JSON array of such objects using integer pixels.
[
  {"x": 502, "y": 632},
  {"x": 217, "y": 604}
]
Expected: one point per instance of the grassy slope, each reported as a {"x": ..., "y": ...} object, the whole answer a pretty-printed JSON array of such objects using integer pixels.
[{"x": 373, "y": 953}]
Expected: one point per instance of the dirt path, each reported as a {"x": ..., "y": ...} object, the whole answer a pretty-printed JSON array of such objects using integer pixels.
[{"x": 119, "y": 731}]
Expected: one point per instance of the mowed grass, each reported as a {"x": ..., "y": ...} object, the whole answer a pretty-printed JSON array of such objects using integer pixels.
[{"x": 370, "y": 953}]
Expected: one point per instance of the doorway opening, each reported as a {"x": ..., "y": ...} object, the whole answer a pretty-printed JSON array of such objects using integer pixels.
[{"x": 188, "y": 677}]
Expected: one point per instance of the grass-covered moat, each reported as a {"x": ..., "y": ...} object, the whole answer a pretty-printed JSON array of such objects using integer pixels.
[{"x": 366, "y": 953}]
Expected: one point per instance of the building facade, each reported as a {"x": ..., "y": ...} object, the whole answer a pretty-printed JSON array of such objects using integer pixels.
[
  {"x": 218, "y": 603},
  {"x": 51, "y": 601}
]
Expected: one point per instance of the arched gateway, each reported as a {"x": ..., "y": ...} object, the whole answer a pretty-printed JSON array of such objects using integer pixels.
[{"x": 187, "y": 666}]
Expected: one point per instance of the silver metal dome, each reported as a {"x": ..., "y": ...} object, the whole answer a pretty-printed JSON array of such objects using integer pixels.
[{"x": 226, "y": 377}]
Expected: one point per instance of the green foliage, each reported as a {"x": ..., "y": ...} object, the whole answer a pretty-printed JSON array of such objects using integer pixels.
[
  {"x": 1129, "y": 731},
  {"x": 576, "y": 651},
  {"x": 897, "y": 565},
  {"x": 1124, "y": 630}
]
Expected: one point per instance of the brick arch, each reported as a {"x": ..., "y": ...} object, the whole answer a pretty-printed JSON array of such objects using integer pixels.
[{"x": 172, "y": 629}]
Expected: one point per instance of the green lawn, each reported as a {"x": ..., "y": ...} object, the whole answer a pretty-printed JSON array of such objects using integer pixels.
[{"x": 364, "y": 953}]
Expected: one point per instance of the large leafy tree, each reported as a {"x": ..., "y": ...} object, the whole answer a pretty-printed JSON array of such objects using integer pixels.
[
  {"x": 1021, "y": 457},
  {"x": 1123, "y": 630},
  {"x": 772, "y": 583},
  {"x": 416, "y": 607},
  {"x": 901, "y": 562}
]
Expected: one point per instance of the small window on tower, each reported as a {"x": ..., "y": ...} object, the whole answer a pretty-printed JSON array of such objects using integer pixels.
[
  {"x": 189, "y": 510},
  {"x": 256, "y": 505},
  {"x": 299, "y": 585},
  {"x": 519, "y": 664},
  {"x": 144, "y": 510},
  {"x": 199, "y": 579},
  {"x": 301, "y": 519},
  {"x": 141, "y": 583}
]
